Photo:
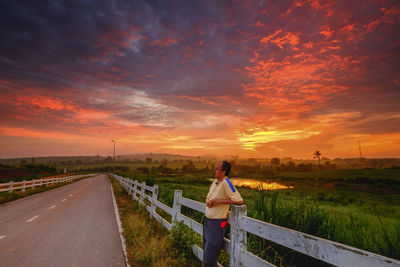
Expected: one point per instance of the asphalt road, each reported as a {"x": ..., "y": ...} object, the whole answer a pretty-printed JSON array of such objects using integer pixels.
[{"x": 73, "y": 225}]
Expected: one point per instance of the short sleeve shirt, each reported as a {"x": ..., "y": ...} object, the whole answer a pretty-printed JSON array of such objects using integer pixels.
[{"x": 223, "y": 189}]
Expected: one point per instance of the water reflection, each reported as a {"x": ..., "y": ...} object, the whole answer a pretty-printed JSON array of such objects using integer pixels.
[{"x": 260, "y": 185}]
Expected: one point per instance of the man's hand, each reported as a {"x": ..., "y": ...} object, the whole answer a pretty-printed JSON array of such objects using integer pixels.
[
  {"x": 211, "y": 202},
  {"x": 208, "y": 203}
]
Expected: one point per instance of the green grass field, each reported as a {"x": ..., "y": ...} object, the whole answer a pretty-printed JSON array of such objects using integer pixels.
[{"x": 359, "y": 218}]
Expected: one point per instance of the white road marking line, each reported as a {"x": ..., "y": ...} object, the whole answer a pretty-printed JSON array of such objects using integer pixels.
[
  {"x": 63, "y": 199},
  {"x": 2, "y": 236},
  {"x": 33, "y": 218},
  {"x": 120, "y": 228},
  {"x": 52, "y": 207}
]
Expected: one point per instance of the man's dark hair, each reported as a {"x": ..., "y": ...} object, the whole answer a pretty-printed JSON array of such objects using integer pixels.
[{"x": 226, "y": 166}]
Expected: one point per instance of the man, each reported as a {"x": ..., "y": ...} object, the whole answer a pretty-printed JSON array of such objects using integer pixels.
[{"x": 222, "y": 193}]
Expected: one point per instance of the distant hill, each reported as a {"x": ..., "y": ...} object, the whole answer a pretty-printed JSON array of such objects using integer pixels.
[
  {"x": 89, "y": 159},
  {"x": 64, "y": 161}
]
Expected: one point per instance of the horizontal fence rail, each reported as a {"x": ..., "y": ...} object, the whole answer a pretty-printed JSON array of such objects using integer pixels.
[
  {"x": 325, "y": 250},
  {"x": 23, "y": 185}
]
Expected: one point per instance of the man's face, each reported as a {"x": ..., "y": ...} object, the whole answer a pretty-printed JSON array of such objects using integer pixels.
[{"x": 218, "y": 172}]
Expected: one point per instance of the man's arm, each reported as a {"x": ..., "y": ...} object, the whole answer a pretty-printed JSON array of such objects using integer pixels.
[
  {"x": 218, "y": 201},
  {"x": 208, "y": 202}
]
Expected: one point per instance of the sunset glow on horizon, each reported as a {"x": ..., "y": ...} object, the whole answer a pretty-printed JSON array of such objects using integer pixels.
[{"x": 246, "y": 78}]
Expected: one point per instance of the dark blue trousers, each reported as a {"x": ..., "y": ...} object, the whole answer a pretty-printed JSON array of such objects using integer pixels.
[{"x": 213, "y": 239}]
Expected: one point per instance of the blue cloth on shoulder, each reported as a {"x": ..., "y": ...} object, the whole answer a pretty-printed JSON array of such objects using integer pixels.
[{"x": 231, "y": 185}]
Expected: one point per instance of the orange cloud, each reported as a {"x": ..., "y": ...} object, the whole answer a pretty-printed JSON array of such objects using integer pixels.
[
  {"x": 288, "y": 38},
  {"x": 44, "y": 102},
  {"x": 24, "y": 132},
  {"x": 266, "y": 39},
  {"x": 327, "y": 33},
  {"x": 250, "y": 141},
  {"x": 166, "y": 41},
  {"x": 202, "y": 99},
  {"x": 292, "y": 86}
]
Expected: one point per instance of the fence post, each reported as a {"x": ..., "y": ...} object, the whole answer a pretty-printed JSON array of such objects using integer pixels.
[
  {"x": 176, "y": 207},
  {"x": 134, "y": 190},
  {"x": 153, "y": 200},
  {"x": 142, "y": 193},
  {"x": 33, "y": 184},
  {"x": 23, "y": 186},
  {"x": 130, "y": 186},
  {"x": 238, "y": 234},
  {"x": 41, "y": 182},
  {"x": 11, "y": 186}
]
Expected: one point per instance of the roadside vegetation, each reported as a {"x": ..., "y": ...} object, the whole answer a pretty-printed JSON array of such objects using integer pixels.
[
  {"x": 11, "y": 196},
  {"x": 148, "y": 242},
  {"x": 25, "y": 171}
]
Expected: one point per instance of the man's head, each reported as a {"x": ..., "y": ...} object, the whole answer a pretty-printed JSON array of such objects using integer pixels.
[{"x": 222, "y": 169}]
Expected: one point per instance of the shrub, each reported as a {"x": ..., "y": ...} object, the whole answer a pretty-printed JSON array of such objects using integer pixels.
[{"x": 182, "y": 239}]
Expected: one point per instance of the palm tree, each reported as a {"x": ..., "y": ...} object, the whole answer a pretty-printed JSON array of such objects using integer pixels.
[{"x": 317, "y": 155}]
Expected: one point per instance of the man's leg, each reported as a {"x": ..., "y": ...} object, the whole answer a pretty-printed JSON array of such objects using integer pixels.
[{"x": 213, "y": 235}]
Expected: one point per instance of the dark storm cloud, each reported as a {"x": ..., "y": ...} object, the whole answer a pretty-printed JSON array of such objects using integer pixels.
[{"x": 146, "y": 43}]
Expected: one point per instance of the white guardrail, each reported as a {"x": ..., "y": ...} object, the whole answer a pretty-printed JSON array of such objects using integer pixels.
[
  {"x": 325, "y": 250},
  {"x": 23, "y": 185}
]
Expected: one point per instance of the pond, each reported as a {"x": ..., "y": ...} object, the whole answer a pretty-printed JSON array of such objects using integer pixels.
[{"x": 255, "y": 184}]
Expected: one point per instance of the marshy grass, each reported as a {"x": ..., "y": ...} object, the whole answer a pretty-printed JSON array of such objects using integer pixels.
[{"x": 367, "y": 232}]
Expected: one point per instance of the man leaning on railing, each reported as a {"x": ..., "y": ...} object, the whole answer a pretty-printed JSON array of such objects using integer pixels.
[{"x": 222, "y": 193}]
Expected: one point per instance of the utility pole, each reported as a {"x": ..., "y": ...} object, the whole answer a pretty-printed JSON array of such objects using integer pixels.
[
  {"x": 359, "y": 148},
  {"x": 113, "y": 165}
]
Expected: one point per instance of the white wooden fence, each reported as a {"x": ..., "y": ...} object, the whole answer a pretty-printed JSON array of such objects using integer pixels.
[
  {"x": 12, "y": 186},
  {"x": 325, "y": 250}
]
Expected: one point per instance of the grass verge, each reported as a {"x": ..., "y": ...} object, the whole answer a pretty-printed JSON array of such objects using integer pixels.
[
  {"x": 11, "y": 196},
  {"x": 148, "y": 242}
]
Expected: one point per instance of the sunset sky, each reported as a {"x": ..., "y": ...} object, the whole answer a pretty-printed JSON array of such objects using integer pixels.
[{"x": 248, "y": 78}]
